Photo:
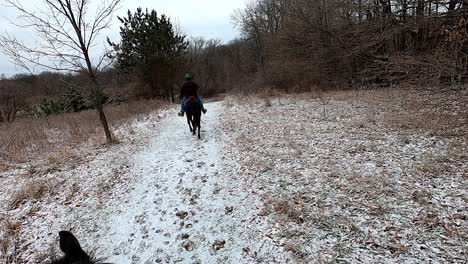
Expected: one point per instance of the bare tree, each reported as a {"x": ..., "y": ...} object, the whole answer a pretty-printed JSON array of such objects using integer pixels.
[
  {"x": 257, "y": 21},
  {"x": 67, "y": 31},
  {"x": 9, "y": 101},
  {"x": 203, "y": 62}
]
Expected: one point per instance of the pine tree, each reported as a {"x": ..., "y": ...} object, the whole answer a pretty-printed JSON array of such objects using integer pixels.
[{"x": 150, "y": 46}]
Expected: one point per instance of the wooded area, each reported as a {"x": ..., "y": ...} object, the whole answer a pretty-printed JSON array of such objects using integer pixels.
[
  {"x": 287, "y": 45},
  {"x": 356, "y": 42}
]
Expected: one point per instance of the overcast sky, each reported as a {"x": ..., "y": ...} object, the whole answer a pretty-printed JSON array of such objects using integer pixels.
[{"x": 206, "y": 18}]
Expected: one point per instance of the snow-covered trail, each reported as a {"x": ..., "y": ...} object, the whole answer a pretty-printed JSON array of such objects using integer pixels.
[{"x": 183, "y": 205}]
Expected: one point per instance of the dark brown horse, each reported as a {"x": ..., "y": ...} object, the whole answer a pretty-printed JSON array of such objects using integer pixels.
[{"x": 193, "y": 109}]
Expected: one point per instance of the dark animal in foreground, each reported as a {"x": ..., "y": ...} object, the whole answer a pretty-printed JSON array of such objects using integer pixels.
[
  {"x": 73, "y": 252},
  {"x": 193, "y": 109}
]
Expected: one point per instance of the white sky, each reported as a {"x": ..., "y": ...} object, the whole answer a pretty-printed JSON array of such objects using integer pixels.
[{"x": 206, "y": 18}]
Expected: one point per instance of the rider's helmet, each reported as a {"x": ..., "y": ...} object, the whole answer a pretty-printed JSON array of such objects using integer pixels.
[{"x": 188, "y": 76}]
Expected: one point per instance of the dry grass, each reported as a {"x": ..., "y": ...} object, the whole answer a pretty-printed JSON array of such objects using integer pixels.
[
  {"x": 287, "y": 209},
  {"x": 29, "y": 139},
  {"x": 33, "y": 190},
  {"x": 9, "y": 232}
]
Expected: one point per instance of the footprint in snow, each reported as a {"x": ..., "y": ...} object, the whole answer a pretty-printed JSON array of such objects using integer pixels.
[
  {"x": 183, "y": 236},
  {"x": 182, "y": 214},
  {"x": 188, "y": 245},
  {"x": 218, "y": 245}
]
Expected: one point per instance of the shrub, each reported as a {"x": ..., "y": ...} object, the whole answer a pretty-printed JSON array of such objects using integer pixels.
[{"x": 71, "y": 102}]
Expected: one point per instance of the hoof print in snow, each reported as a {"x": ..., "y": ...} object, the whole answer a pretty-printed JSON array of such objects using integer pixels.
[
  {"x": 162, "y": 259},
  {"x": 216, "y": 191},
  {"x": 219, "y": 244},
  {"x": 189, "y": 160},
  {"x": 182, "y": 214},
  {"x": 229, "y": 209},
  {"x": 193, "y": 200},
  {"x": 141, "y": 219},
  {"x": 188, "y": 245},
  {"x": 183, "y": 236},
  {"x": 200, "y": 164}
]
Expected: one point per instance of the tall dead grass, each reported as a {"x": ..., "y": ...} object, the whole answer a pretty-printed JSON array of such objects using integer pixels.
[
  {"x": 32, "y": 190},
  {"x": 38, "y": 138},
  {"x": 9, "y": 232}
]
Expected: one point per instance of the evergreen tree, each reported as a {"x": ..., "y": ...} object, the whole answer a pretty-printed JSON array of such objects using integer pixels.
[{"x": 149, "y": 46}]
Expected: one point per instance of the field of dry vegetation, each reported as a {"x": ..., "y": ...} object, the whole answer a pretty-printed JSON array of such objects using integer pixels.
[
  {"x": 362, "y": 176},
  {"x": 59, "y": 137}
]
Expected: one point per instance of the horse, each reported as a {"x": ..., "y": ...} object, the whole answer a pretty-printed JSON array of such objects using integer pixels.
[
  {"x": 193, "y": 109},
  {"x": 73, "y": 252}
]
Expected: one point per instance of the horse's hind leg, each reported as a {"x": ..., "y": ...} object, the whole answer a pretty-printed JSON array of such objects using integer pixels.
[
  {"x": 197, "y": 124},
  {"x": 193, "y": 126},
  {"x": 189, "y": 121}
]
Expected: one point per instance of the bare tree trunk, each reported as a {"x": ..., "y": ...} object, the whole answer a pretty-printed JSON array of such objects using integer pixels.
[
  {"x": 172, "y": 94},
  {"x": 99, "y": 102},
  {"x": 360, "y": 11},
  {"x": 386, "y": 7},
  {"x": 464, "y": 5},
  {"x": 404, "y": 7},
  {"x": 429, "y": 7},
  {"x": 104, "y": 123},
  {"x": 452, "y": 5}
]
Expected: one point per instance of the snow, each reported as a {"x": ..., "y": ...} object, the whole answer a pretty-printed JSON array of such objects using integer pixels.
[
  {"x": 128, "y": 203},
  {"x": 380, "y": 178},
  {"x": 178, "y": 175},
  {"x": 357, "y": 184}
]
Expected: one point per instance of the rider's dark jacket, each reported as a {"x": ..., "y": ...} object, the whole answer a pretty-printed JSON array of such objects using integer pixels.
[{"x": 189, "y": 88}]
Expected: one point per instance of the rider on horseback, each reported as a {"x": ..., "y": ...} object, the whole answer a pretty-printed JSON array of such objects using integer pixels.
[{"x": 189, "y": 89}]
